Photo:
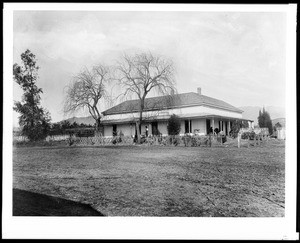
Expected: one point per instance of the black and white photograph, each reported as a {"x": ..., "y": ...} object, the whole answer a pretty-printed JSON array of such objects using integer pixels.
[{"x": 149, "y": 121}]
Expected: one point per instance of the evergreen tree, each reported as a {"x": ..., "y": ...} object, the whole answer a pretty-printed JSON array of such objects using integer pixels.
[
  {"x": 236, "y": 126},
  {"x": 34, "y": 120},
  {"x": 173, "y": 125},
  {"x": 264, "y": 120}
]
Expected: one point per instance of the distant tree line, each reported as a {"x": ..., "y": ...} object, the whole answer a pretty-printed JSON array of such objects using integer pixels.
[{"x": 65, "y": 127}]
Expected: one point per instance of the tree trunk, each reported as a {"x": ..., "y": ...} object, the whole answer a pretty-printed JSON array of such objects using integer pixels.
[
  {"x": 138, "y": 130},
  {"x": 97, "y": 128},
  {"x": 140, "y": 121}
]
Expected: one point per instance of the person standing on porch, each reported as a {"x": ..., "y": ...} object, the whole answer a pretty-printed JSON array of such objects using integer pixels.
[{"x": 146, "y": 131}]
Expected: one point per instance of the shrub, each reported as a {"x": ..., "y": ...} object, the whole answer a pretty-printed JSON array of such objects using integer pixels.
[
  {"x": 173, "y": 125},
  {"x": 71, "y": 140},
  {"x": 173, "y": 140},
  {"x": 248, "y": 135},
  {"x": 176, "y": 141},
  {"x": 116, "y": 139}
]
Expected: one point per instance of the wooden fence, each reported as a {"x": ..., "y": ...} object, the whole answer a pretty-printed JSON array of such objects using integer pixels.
[
  {"x": 20, "y": 138},
  {"x": 177, "y": 140},
  {"x": 98, "y": 140},
  {"x": 188, "y": 141},
  {"x": 258, "y": 140},
  {"x": 57, "y": 138}
]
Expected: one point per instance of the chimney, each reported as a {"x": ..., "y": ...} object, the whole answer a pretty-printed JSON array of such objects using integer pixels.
[{"x": 199, "y": 91}]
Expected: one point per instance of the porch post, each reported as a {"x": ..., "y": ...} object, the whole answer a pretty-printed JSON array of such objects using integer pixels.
[
  {"x": 228, "y": 130},
  {"x": 213, "y": 124}
]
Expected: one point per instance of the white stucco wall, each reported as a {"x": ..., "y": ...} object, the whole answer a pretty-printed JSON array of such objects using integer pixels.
[
  {"x": 199, "y": 124},
  {"x": 182, "y": 127},
  {"x": 162, "y": 127},
  {"x": 108, "y": 131},
  {"x": 127, "y": 129}
]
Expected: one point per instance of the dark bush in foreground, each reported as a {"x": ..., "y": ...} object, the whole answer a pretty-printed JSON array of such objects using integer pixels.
[
  {"x": 248, "y": 135},
  {"x": 173, "y": 125}
]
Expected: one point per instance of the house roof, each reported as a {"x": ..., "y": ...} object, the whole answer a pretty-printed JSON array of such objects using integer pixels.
[{"x": 170, "y": 102}]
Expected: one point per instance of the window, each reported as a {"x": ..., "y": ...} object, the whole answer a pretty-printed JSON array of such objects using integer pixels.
[{"x": 188, "y": 126}]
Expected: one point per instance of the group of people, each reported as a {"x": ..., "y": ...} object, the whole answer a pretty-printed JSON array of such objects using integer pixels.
[{"x": 212, "y": 132}]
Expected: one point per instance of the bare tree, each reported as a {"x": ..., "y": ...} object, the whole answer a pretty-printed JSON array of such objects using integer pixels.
[
  {"x": 86, "y": 90},
  {"x": 141, "y": 73}
]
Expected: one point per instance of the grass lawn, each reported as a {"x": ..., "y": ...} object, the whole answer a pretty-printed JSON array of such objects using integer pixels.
[{"x": 159, "y": 181}]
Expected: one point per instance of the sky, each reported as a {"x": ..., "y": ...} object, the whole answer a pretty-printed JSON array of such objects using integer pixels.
[{"x": 238, "y": 57}]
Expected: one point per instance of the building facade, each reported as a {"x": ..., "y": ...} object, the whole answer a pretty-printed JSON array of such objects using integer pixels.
[{"x": 198, "y": 113}]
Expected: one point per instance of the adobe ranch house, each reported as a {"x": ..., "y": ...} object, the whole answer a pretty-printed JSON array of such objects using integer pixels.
[{"x": 197, "y": 113}]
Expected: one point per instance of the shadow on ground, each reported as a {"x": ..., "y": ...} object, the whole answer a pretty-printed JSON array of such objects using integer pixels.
[{"x": 27, "y": 203}]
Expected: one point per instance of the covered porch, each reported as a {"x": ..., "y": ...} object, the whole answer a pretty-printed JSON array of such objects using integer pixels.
[
  {"x": 190, "y": 124},
  {"x": 222, "y": 123}
]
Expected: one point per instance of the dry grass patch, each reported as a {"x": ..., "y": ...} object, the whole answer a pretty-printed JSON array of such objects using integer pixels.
[{"x": 159, "y": 181}]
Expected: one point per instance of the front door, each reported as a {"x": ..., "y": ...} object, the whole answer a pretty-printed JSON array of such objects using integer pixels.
[
  {"x": 207, "y": 125},
  {"x": 186, "y": 126},
  {"x": 154, "y": 126}
]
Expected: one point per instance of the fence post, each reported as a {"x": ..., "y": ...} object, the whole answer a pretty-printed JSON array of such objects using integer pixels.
[{"x": 239, "y": 140}]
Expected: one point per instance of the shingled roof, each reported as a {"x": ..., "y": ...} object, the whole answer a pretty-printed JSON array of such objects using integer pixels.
[{"x": 170, "y": 102}]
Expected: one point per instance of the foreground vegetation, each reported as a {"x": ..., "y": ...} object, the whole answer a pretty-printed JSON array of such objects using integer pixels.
[{"x": 159, "y": 181}]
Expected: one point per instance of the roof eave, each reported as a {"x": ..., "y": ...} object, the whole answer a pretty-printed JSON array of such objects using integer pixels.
[{"x": 174, "y": 107}]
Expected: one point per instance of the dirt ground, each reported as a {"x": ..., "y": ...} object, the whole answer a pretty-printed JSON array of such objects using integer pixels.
[{"x": 157, "y": 180}]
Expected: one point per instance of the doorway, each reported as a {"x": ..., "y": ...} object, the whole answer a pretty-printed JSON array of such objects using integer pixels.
[
  {"x": 154, "y": 126},
  {"x": 207, "y": 125},
  {"x": 114, "y": 130},
  {"x": 188, "y": 126}
]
